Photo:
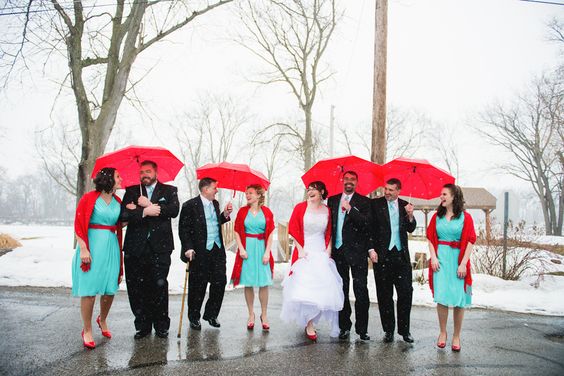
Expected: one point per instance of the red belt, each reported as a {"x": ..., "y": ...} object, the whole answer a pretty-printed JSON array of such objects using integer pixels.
[
  {"x": 451, "y": 244},
  {"x": 102, "y": 227},
  {"x": 257, "y": 236}
]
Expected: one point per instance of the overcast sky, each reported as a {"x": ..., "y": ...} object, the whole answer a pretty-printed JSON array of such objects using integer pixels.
[{"x": 446, "y": 59}]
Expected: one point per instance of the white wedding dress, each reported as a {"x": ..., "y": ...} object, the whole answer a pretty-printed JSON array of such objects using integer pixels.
[{"x": 313, "y": 290}]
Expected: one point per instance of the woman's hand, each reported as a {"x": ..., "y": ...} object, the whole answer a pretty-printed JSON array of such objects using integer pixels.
[
  {"x": 85, "y": 255},
  {"x": 243, "y": 254},
  {"x": 435, "y": 263},
  {"x": 266, "y": 257},
  {"x": 131, "y": 206},
  {"x": 461, "y": 272}
]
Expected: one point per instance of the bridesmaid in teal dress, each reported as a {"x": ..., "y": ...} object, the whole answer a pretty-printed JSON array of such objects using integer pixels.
[
  {"x": 451, "y": 236},
  {"x": 96, "y": 264},
  {"x": 254, "y": 264}
]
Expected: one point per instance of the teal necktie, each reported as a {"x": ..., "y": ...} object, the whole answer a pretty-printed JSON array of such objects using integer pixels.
[{"x": 150, "y": 190}]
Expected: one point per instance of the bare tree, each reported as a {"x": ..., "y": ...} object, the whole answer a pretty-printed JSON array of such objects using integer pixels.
[
  {"x": 207, "y": 132},
  {"x": 291, "y": 37},
  {"x": 443, "y": 140},
  {"x": 531, "y": 130},
  {"x": 100, "y": 46},
  {"x": 405, "y": 133}
]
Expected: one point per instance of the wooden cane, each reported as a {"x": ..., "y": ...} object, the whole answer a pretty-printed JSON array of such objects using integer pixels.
[{"x": 183, "y": 300}]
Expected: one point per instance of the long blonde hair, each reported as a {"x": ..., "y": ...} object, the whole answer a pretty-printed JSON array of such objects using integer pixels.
[{"x": 260, "y": 191}]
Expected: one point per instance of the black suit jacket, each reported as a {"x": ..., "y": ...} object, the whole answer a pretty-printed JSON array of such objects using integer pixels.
[
  {"x": 139, "y": 227},
  {"x": 381, "y": 232},
  {"x": 192, "y": 227},
  {"x": 356, "y": 226}
]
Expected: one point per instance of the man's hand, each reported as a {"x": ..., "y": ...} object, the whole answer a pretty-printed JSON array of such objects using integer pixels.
[
  {"x": 144, "y": 202},
  {"x": 345, "y": 205},
  {"x": 152, "y": 211},
  {"x": 189, "y": 254},
  {"x": 228, "y": 210},
  {"x": 373, "y": 256},
  {"x": 409, "y": 210}
]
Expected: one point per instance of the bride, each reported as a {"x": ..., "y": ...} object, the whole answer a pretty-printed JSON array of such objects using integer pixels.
[{"x": 313, "y": 288}]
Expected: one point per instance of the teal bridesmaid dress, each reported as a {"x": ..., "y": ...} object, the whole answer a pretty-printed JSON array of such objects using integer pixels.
[
  {"x": 102, "y": 278},
  {"x": 449, "y": 289},
  {"x": 254, "y": 273}
]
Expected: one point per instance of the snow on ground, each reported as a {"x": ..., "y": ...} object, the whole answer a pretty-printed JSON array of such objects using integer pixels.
[
  {"x": 46, "y": 255},
  {"x": 550, "y": 240}
]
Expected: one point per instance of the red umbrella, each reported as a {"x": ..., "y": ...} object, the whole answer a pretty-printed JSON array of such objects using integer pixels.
[
  {"x": 127, "y": 161},
  {"x": 235, "y": 176},
  {"x": 418, "y": 177},
  {"x": 330, "y": 171}
]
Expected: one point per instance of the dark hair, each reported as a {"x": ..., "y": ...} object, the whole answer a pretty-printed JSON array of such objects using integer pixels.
[
  {"x": 205, "y": 182},
  {"x": 457, "y": 201},
  {"x": 320, "y": 186},
  {"x": 147, "y": 162},
  {"x": 104, "y": 180},
  {"x": 351, "y": 172},
  {"x": 394, "y": 181}
]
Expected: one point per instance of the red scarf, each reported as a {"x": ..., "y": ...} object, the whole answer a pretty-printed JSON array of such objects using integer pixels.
[
  {"x": 468, "y": 236},
  {"x": 240, "y": 229},
  {"x": 82, "y": 220},
  {"x": 296, "y": 227}
]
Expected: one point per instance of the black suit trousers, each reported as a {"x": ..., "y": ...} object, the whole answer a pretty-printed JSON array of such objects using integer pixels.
[
  {"x": 147, "y": 287},
  {"x": 394, "y": 270},
  {"x": 362, "y": 304},
  {"x": 206, "y": 267}
]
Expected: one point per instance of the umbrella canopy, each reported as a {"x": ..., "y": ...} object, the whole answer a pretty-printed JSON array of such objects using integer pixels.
[
  {"x": 418, "y": 177},
  {"x": 330, "y": 171},
  {"x": 127, "y": 161},
  {"x": 235, "y": 176}
]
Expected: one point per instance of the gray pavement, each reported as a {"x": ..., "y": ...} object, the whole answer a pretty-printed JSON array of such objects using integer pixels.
[{"x": 40, "y": 334}]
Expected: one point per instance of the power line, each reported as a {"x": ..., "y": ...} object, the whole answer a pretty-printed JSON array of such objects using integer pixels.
[{"x": 543, "y": 2}]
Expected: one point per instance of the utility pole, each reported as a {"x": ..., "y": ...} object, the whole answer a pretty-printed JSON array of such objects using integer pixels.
[
  {"x": 332, "y": 133},
  {"x": 378, "y": 153}
]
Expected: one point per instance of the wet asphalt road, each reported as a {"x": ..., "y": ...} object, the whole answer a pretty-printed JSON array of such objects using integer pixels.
[{"x": 40, "y": 334}]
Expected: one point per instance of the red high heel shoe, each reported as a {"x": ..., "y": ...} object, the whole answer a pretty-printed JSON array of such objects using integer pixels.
[
  {"x": 251, "y": 324},
  {"x": 441, "y": 345},
  {"x": 456, "y": 348},
  {"x": 105, "y": 333},
  {"x": 265, "y": 327},
  {"x": 311, "y": 337},
  {"x": 89, "y": 345}
]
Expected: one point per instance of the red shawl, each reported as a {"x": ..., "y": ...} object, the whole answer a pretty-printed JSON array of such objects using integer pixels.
[
  {"x": 240, "y": 229},
  {"x": 82, "y": 220},
  {"x": 296, "y": 227},
  {"x": 468, "y": 236}
]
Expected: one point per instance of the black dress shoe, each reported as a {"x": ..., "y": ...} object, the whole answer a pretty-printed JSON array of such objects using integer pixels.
[
  {"x": 195, "y": 325},
  {"x": 388, "y": 337},
  {"x": 142, "y": 333},
  {"x": 364, "y": 337},
  {"x": 408, "y": 338},
  {"x": 344, "y": 334},
  {"x": 213, "y": 322},
  {"x": 162, "y": 333}
]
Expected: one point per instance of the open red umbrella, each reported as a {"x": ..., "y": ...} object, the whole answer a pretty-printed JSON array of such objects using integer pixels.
[
  {"x": 127, "y": 161},
  {"x": 418, "y": 177},
  {"x": 330, "y": 171},
  {"x": 235, "y": 176}
]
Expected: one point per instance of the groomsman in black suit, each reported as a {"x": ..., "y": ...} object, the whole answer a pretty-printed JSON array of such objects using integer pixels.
[
  {"x": 148, "y": 208},
  {"x": 392, "y": 220},
  {"x": 350, "y": 220},
  {"x": 202, "y": 244}
]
